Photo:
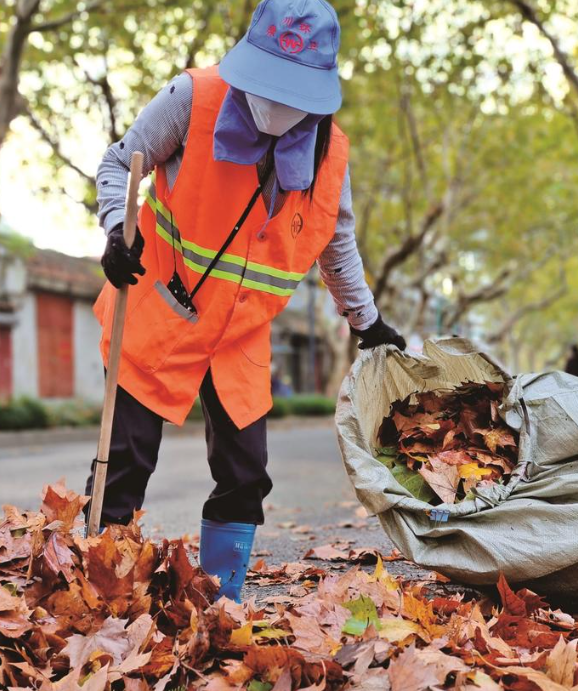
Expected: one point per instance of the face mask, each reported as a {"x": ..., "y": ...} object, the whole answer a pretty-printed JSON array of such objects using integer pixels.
[{"x": 273, "y": 118}]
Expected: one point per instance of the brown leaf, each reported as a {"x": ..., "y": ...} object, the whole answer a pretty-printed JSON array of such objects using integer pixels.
[
  {"x": 14, "y": 624},
  {"x": 512, "y": 603},
  {"x": 58, "y": 556},
  {"x": 162, "y": 659},
  {"x": 14, "y": 615},
  {"x": 310, "y": 636},
  {"x": 408, "y": 673},
  {"x": 131, "y": 684},
  {"x": 444, "y": 479},
  {"x": 103, "y": 559},
  {"x": 561, "y": 663},
  {"x": 538, "y": 679},
  {"x": 327, "y": 553},
  {"x": 284, "y": 681},
  {"x": 60, "y": 504},
  {"x": 457, "y": 457},
  {"x": 499, "y": 437},
  {"x": 111, "y": 638},
  {"x": 96, "y": 681},
  {"x": 365, "y": 555}
]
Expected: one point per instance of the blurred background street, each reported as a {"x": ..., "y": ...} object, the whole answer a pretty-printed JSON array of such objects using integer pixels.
[{"x": 306, "y": 469}]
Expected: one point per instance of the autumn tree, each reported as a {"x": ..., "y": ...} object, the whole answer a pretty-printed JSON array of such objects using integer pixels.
[{"x": 463, "y": 118}]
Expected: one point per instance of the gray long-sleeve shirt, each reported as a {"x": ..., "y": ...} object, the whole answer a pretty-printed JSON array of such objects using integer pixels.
[{"x": 161, "y": 132}]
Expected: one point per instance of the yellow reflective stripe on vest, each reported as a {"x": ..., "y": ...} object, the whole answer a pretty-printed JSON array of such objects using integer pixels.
[{"x": 230, "y": 267}]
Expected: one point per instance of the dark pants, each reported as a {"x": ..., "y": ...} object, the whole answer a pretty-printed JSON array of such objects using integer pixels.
[{"x": 237, "y": 459}]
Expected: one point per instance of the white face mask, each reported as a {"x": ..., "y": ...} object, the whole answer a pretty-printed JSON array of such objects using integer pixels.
[{"x": 273, "y": 118}]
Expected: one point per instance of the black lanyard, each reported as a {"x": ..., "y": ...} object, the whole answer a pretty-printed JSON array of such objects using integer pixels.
[
  {"x": 176, "y": 285},
  {"x": 234, "y": 232}
]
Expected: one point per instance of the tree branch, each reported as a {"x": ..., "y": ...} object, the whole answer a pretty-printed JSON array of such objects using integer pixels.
[
  {"x": 104, "y": 85},
  {"x": 521, "y": 312},
  {"x": 410, "y": 245},
  {"x": 406, "y": 107},
  {"x": 65, "y": 19},
  {"x": 486, "y": 293},
  {"x": 530, "y": 15}
]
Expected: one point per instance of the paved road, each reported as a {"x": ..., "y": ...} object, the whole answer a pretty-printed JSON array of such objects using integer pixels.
[
  {"x": 312, "y": 503},
  {"x": 304, "y": 463},
  {"x": 311, "y": 486}
]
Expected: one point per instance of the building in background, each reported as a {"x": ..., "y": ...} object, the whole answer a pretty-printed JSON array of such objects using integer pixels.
[{"x": 48, "y": 335}]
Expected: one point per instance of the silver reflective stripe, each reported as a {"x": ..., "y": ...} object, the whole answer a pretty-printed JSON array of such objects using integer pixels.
[
  {"x": 270, "y": 280},
  {"x": 223, "y": 265},
  {"x": 174, "y": 304}
]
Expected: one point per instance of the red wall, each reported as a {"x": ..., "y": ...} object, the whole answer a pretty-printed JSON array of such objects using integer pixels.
[
  {"x": 54, "y": 321},
  {"x": 5, "y": 362}
]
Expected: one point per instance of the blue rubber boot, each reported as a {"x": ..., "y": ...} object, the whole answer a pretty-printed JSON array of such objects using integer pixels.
[{"x": 225, "y": 551}]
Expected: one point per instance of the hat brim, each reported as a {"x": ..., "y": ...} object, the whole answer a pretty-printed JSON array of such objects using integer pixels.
[{"x": 261, "y": 73}]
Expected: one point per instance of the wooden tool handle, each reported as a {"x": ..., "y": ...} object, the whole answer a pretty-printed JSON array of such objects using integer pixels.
[
  {"x": 131, "y": 211},
  {"x": 99, "y": 473}
]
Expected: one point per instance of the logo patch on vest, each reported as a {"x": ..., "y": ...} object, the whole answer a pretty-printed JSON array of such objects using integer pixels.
[
  {"x": 291, "y": 42},
  {"x": 296, "y": 225}
]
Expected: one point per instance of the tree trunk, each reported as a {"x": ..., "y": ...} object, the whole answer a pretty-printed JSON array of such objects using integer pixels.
[{"x": 11, "y": 101}]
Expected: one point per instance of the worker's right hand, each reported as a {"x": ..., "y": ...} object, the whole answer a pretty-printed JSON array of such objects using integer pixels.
[{"x": 121, "y": 263}]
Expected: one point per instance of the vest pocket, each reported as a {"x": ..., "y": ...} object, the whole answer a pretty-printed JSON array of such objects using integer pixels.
[
  {"x": 256, "y": 345},
  {"x": 155, "y": 327}
]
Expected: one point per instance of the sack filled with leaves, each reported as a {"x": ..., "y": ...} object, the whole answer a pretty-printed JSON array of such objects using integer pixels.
[
  {"x": 445, "y": 445},
  {"x": 472, "y": 472}
]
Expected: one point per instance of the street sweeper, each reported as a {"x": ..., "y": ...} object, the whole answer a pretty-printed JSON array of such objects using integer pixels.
[{"x": 249, "y": 188}]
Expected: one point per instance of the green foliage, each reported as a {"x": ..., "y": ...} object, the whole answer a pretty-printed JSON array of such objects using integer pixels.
[
  {"x": 259, "y": 686},
  {"x": 15, "y": 243},
  {"x": 311, "y": 405},
  {"x": 303, "y": 405},
  {"x": 23, "y": 413},
  {"x": 196, "y": 413},
  {"x": 30, "y": 413},
  {"x": 281, "y": 407},
  {"x": 450, "y": 105},
  {"x": 413, "y": 482},
  {"x": 363, "y": 614},
  {"x": 74, "y": 414}
]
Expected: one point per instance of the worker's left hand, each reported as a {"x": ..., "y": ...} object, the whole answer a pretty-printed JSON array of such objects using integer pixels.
[{"x": 379, "y": 333}]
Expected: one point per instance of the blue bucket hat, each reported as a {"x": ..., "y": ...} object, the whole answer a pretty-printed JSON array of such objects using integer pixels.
[{"x": 289, "y": 55}]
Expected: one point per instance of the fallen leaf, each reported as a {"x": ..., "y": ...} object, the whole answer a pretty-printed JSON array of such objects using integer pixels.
[
  {"x": 561, "y": 663},
  {"x": 443, "y": 479},
  {"x": 327, "y": 553},
  {"x": 58, "y": 556},
  {"x": 408, "y": 673},
  {"x": 243, "y": 636},
  {"x": 60, "y": 504},
  {"x": 111, "y": 638},
  {"x": 363, "y": 614},
  {"x": 396, "y": 629}
]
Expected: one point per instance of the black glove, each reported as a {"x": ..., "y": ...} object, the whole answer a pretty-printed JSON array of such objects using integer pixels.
[
  {"x": 379, "y": 333},
  {"x": 119, "y": 262}
]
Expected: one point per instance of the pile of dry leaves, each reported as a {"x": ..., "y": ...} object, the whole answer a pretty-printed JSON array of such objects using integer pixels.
[
  {"x": 446, "y": 444},
  {"x": 119, "y": 612}
]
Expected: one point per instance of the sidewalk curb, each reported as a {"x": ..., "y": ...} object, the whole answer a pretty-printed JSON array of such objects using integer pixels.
[{"x": 72, "y": 435}]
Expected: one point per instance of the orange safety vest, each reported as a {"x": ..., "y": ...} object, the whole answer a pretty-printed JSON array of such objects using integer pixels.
[{"x": 165, "y": 356}]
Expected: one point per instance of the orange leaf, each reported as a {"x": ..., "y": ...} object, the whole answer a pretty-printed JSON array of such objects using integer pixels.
[{"x": 511, "y": 602}]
